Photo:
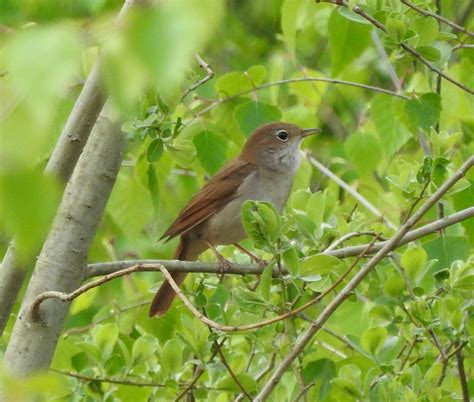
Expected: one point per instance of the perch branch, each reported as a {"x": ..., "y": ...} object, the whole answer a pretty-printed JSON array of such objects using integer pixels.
[
  {"x": 354, "y": 282},
  {"x": 105, "y": 268},
  {"x": 440, "y": 18}
]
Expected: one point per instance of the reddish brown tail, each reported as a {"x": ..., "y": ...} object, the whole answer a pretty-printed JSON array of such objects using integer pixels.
[
  {"x": 165, "y": 295},
  {"x": 188, "y": 250}
]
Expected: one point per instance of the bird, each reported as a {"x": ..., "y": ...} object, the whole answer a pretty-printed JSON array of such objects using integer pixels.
[{"x": 264, "y": 171}]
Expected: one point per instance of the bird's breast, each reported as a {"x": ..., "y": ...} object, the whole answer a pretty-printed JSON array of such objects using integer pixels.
[{"x": 225, "y": 226}]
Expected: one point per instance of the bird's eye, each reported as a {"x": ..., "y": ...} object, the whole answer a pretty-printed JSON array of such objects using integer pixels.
[{"x": 283, "y": 135}]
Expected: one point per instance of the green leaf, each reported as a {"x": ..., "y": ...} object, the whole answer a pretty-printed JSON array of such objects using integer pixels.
[
  {"x": 427, "y": 29},
  {"x": 261, "y": 222},
  {"x": 424, "y": 112},
  {"x": 257, "y": 74},
  {"x": 236, "y": 82},
  {"x": 251, "y": 115},
  {"x": 347, "y": 40},
  {"x": 430, "y": 53},
  {"x": 210, "y": 150},
  {"x": 154, "y": 150},
  {"x": 394, "y": 285},
  {"x": 79, "y": 361},
  {"x": 447, "y": 249},
  {"x": 414, "y": 260},
  {"x": 373, "y": 338},
  {"x": 143, "y": 348},
  {"x": 323, "y": 371},
  {"x": 245, "y": 380},
  {"x": 321, "y": 264},
  {"x": 292, "y": 15},
  {"x": 42, "y": 61},
  {"x": 396, "y": 28},
  {"x": 462, "y": 276},
  {"x": 391, "y": 132},
  {"x": 28, "y": 201},
  {"x": 291, "y": 260},
  {"x": 266, "y": 281},
  {"x": 346, "y": 388},
  {"x": 364, "y": 151},
  {"x": 172, "y": 356},
  {"x": 183, "y": 152},
  {"x": 105, "y": 336}
]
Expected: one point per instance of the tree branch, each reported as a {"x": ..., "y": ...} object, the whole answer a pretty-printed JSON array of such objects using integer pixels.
[
  {"x": 440, "y": 18},
  {"x": 462, "y": 373},
  {"x": 293, "y": 80},
  {"x": 105, "y": 268},
  {"x": 404, "y": 46},
  {"x": 354, "y": 282},
  {"x": 202, "y": 81},
  {"x": 61, "y": 264}
]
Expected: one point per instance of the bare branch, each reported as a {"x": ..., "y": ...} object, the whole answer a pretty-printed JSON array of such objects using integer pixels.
[
  {"x": 440, "y": 18},
  {"x": 462, "y": 373},
  {"x": 209, "y": 76},
  {"x": 232, "y": 374},
  {"x": 67, "y": 297},
  {"x": 303, "y": 79},
  {"x": 85, "y": 378},
  {"x": 105, "y": 268},
  {"x": 348, "y": 236},
  {"x": 407, "y": 48},
  {"x": 354, "y": 282}
]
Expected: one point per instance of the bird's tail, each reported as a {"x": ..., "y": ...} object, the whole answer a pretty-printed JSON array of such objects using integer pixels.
[{"x": 165, "y": 295}]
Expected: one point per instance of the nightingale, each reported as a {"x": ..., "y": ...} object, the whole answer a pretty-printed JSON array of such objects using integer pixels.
[{"x": 264, "y": 171}]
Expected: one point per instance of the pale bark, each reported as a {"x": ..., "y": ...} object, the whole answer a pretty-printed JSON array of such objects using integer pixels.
[{"x": 60, "y": 265}]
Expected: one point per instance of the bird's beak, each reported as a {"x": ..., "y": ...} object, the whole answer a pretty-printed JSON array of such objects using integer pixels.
[{"x": 309, "y": 131}]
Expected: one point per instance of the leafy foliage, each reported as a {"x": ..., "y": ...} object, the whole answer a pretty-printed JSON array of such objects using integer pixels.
[{"x": 394, "y": 148}]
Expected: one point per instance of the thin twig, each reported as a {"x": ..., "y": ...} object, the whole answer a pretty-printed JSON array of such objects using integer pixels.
[
  {"x": 366, "y": 203},
  {"x": 358, "y": 277},
  {"x": 232, "y": 374},
  {"x": 458, "y": 348},
  {"x": 463, "y": 46},
  {"x": 261, "y": 324},
  {"x": 396, "y": 261},
  {"x": 202, "y": 81},
  {"x": 358, "y": 10},
  {"x": 304, "y": 390},
  {"x": 115, "y": 269},
  {"x": 391, "y": 71},
  {"x": 85, "y": 378},
  {"x": 440, "y": 18},
  {"x": 200, "y": 371},
  {"x": 462, "y": 374},
  {"x": 413, "y": 52},
  {"x": 407, "y": 357},
  {"x": 348, "y": 236},
  {"x": 417, "y": 200},
  {"x": 67, "y": 297},
  {"x": 334, "y": 81}
]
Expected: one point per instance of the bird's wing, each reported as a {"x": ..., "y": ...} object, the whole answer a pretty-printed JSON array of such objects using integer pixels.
[{"x": 211, "y": 198}]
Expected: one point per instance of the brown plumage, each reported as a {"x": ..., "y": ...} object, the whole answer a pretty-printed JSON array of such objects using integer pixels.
[{"x": 263, "y": 171}]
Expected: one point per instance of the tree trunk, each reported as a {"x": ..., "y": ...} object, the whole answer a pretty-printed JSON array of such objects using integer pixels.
[{"x": 62, "y": 260}]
